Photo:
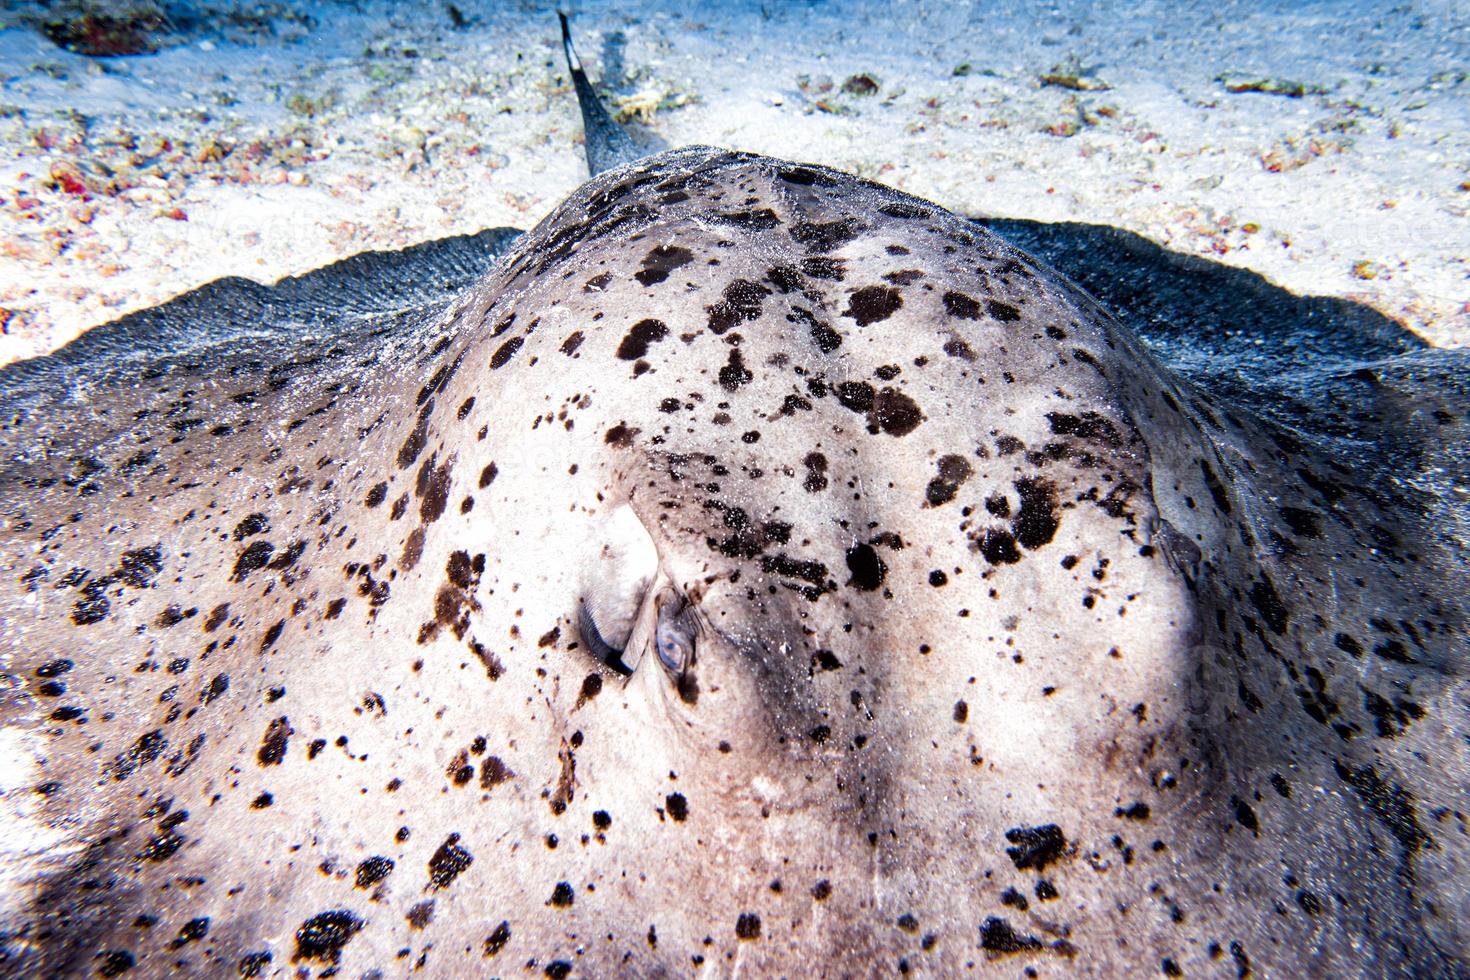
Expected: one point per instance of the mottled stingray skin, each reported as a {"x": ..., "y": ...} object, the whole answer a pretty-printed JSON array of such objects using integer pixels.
[{"x": 1017, "y": 652}]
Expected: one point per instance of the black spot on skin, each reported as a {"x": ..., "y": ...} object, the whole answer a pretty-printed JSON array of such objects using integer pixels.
[
  {"x": 254, "y": 964},
  {"x": 408, "y": 453},
  {"x": 785, "y": 278},
  {"x": 868, "y": 570},
  {"x": 433, "y": 488},
  {"x": 961, "y": 712},
  {"x": 288, "y": 557},
  {"x": 955, "y": 347},
  {"x": 998, "y": 547},
  {"x": 742, "y": 302},
  {"x": 421, "y": 914},
  {"x": 1036, "y": 523},
  {"x": 1303, "y": 523},
  {"x": 147, "y": 748},
  {"x": 93, "y": 606},
  {"x": 792, "y": 404},
  {"x": 497, "y": 939},
  {"x": 1393, "y": 650},
  {"x": 591, "y": 687},
  {"x": 953, "y": 471},
  {"x": 447, "y": 863},
  {"x": 856, "y": 396},
  {"x": 826, "y": 338},
  {"x": 734, "y": 373},
  {"x": 677, "y": 807},
  {"x": 1391, "y": 719},
  {"x": 322, "y": 936},
  {"x": 272, "y": 635},
  {"x": 938, "y": 579},
  {"x": 961, "y": 306},
  {"x": 216, "y": 616},
  {"x": 573, "y": 341},
  {"x": 506, "y": 351},
  {"x": 1014, "y": 899},
  {"x": 463, "y": 571},
  {"x": 275, "y": 742},
  {"x": 54, "y": 668},
  {"x": 439, "y": 380},
  {"x": 903, "y": 210},
  {"x": 1088, "y": 425},
  {"x": 251, "y": 524},
  {"x": 562, "y": 895},
  {"x": 114, "y": 963},
  {"x": 1264, "y": 597},
  {"x": 805, "y": 176},
  {"x": 763, "y": 220},
  {"x": 1310, "y": 903},
  {"x": 997, "y": 936},
  {"x": 663, "y": 260},
  {"x": 1245, "y": 816},
  {"x": 620, "y": 435},
  {"x": 373, "y": 870},
  {"x": 748, "y": 926},
  {"x": 1036, "y": 847},
  {"x": 812, "y": 572},
  {"x": 824, "y": 267},
  {"x": 895, "y": 413},
  {"x": 252, "y": 559},
  {"x": 872, "y": 304},
  {"x": 825, "y": 236},
  {"x": 1389, "y": 802},
  {"x": 1138, "y": 811},
  {"x": 139, "y": 567},
  {"x": 162, "y": 847},
  {"x": 217, "y": 687},
  {"x": 1004, "y": 312},
  {"x": 376, "y": 495},
  {"x": 640, "y": 335},
  {"x": 493, "y": 772}
]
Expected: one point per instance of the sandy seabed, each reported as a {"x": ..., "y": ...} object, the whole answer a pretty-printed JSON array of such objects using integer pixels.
[{"x": 1323, "y": 145}]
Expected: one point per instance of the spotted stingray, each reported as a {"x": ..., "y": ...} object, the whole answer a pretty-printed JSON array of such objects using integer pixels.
[{"x": 750, "y": 569}]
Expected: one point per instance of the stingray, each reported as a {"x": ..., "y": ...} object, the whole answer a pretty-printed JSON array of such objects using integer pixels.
[{"x": 750, "y": 569}]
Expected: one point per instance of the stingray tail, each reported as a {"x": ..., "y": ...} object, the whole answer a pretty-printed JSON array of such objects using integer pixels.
[{"x": 608, "y": 146}]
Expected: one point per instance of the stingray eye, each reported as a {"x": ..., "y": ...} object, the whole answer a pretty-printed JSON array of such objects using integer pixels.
[
  {"x": 616, "y": 581},
  {"x": 673, "y": 636}
]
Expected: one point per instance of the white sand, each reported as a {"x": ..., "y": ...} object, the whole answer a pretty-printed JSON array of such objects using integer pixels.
[{"x": 383, "y": 125}]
